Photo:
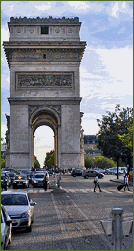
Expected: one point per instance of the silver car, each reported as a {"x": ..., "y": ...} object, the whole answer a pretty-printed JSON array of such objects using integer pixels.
[
  {"x": 6, "y": 229},
  {"x": 20, "y": 208},
  {"x": 38, "y": 179}
]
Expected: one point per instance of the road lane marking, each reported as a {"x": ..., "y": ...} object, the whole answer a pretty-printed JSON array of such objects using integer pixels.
[{"x": 106, "y": 191}]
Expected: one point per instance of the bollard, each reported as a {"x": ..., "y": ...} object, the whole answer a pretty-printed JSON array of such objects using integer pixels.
[{"x": 117, "y": 228}]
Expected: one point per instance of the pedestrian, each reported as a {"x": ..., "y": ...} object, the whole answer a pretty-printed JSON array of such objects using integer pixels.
[
  {"x": 96, "y": 182},
  {"x": 45, "y": 182},
  {"x": 126, "y": 183}
]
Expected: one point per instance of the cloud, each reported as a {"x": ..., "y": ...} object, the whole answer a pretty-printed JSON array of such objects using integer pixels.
[
  {"x": 43, "y": 7},
  {"x": 4, "y": 35},
  {"x": 3, "y": 131},
  {"x": 118, "y": 7},
  {"x": 79, "y": 5}
]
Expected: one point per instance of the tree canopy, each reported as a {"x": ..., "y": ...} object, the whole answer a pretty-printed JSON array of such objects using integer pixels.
[
  {"x": 36, "y": 163},
  {"x": 115, "y": 137},
  {"x": 49, "y": 160},
  {"x": 98, "y": 162}
]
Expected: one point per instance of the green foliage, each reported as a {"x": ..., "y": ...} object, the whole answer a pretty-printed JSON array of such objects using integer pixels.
[
  {"x": 2, "y": 163},
  {"x": 36, "y": 163},
  {"x": 49, "y": 160},
  {"x": 115, "y": 137},
  {"x": 98, "y": 162}
]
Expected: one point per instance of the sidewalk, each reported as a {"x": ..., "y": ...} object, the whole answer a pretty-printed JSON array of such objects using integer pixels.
[{"x": 120, "y": 180}]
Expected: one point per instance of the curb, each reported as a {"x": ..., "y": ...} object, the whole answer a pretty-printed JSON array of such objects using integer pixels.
[{"x": 118, "y": 181}]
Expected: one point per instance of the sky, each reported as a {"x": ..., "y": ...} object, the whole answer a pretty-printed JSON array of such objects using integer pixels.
[{"x": 106, "y": 70}]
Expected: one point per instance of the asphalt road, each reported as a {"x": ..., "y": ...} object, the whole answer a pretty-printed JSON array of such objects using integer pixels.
[{"x": 69, "y": 219}]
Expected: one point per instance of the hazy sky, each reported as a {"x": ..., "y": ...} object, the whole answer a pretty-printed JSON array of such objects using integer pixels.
[{"x": 106, "y": 70}]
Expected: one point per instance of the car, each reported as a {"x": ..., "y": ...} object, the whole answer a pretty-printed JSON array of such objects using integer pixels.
[
  {"x": 21, "y": 182},
  {"x": 12, "y": 177},
  {"x": 91, "y": 173},
  {"x": 76, "y": 172},
  {"x": 31, "y": 176},
  {"x": 37, "y": 180},
  {"x": 20, "y": 208},
  {"x": 6, "y": 228},
  {"x": 99, "y": 170},
  {"x": 26, "y": 173}
]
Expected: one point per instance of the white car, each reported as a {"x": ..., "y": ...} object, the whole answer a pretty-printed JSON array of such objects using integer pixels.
[
  {"x": 6, "y": 229},
  {"x": 20, "y": 208}
]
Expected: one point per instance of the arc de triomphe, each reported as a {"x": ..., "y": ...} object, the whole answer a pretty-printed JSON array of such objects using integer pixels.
[{"x": 44, "y": 55}]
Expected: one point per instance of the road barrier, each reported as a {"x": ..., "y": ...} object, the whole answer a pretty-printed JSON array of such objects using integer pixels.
[{"x": 117, "y": 227}]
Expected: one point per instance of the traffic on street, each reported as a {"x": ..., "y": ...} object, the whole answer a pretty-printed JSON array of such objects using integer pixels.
[{"x": 68, "y": 218}]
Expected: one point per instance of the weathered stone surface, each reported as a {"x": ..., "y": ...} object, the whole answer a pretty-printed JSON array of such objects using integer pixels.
[{"x": 44, "y": 57}]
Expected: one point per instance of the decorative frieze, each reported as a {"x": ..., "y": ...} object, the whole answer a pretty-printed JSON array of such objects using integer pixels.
[
  {"x": 42, "y": 80},
  {"x": 52, "y": 55}
]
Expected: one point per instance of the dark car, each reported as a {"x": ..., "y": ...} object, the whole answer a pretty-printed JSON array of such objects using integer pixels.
[
  {"x": 92, "y": 173},
  {"x": 21, "y": 182},
  {"x": 76, "y": 172},
  {"x": 12, "y": 176}
]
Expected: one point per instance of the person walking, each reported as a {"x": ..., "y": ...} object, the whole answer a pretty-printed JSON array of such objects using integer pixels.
[
  {"x": 96, "y": 182},
  {"x": 126, "y": 183},
  {"x": 45, "y": 182}
]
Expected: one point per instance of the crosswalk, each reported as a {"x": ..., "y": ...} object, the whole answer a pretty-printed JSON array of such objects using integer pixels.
[
  {"x": 87, "y": 190},
  {"x": 77, "y": 190}
]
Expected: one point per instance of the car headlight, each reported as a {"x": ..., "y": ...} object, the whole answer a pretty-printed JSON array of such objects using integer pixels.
[
  {"x": 35, "y": 181},
  {"x": 25, "y": 214}
]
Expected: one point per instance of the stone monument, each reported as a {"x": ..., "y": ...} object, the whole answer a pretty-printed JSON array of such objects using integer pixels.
[{"x": 44, "y": 56}]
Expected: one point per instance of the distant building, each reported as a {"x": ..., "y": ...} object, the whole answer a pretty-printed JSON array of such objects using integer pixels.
[
  {"x": 90, "y": 146},
  {"x": 3, "y": 149}
]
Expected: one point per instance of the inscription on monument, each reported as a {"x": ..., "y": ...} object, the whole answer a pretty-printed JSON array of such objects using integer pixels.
[{"x": 55, "y": 80}]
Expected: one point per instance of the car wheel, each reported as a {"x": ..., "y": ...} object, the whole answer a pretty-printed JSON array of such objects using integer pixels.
[
  {"x": 14, "y": 186},
  {"x": 29, "y": 229}
]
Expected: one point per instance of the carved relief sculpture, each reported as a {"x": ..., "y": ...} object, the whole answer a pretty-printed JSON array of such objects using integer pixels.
[{"x": 24, "y": 80}]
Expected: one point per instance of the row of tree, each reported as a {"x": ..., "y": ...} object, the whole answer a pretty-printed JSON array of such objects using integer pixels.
[{"x": 99, "y": 162}]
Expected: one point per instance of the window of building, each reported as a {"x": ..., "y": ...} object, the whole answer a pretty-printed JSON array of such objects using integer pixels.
[{"x": 44, "y": 30}]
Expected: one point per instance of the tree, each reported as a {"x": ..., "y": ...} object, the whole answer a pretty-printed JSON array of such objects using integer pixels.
[
  {"x": 112, "y": 127},
  {"x": 49, "y": 160},
  {"x": 36, "y": 163},
  {"x": 98, "y": 162},
  {"x": 2, "y": 163}
]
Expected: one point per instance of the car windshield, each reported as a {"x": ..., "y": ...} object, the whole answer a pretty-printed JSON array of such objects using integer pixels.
[
  {"x": 39, "y": 176},
  {"x": 14, "y": 199}
]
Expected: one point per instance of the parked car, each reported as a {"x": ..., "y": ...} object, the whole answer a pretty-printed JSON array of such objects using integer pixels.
[
  {"x": 76, "y": 172},
  {"x": 6, "y": 228},
  {"x": 37, "y": 180},
  {"x": 91, "y": 173},
  {"x": 21, "y": 182},
  {"x": 20, "y": 208}
]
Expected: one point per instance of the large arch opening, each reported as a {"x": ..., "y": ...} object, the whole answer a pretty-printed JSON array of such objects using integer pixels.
[
  {"x": 49, "y": 118},
  {"x": 43, "y": 142}
]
